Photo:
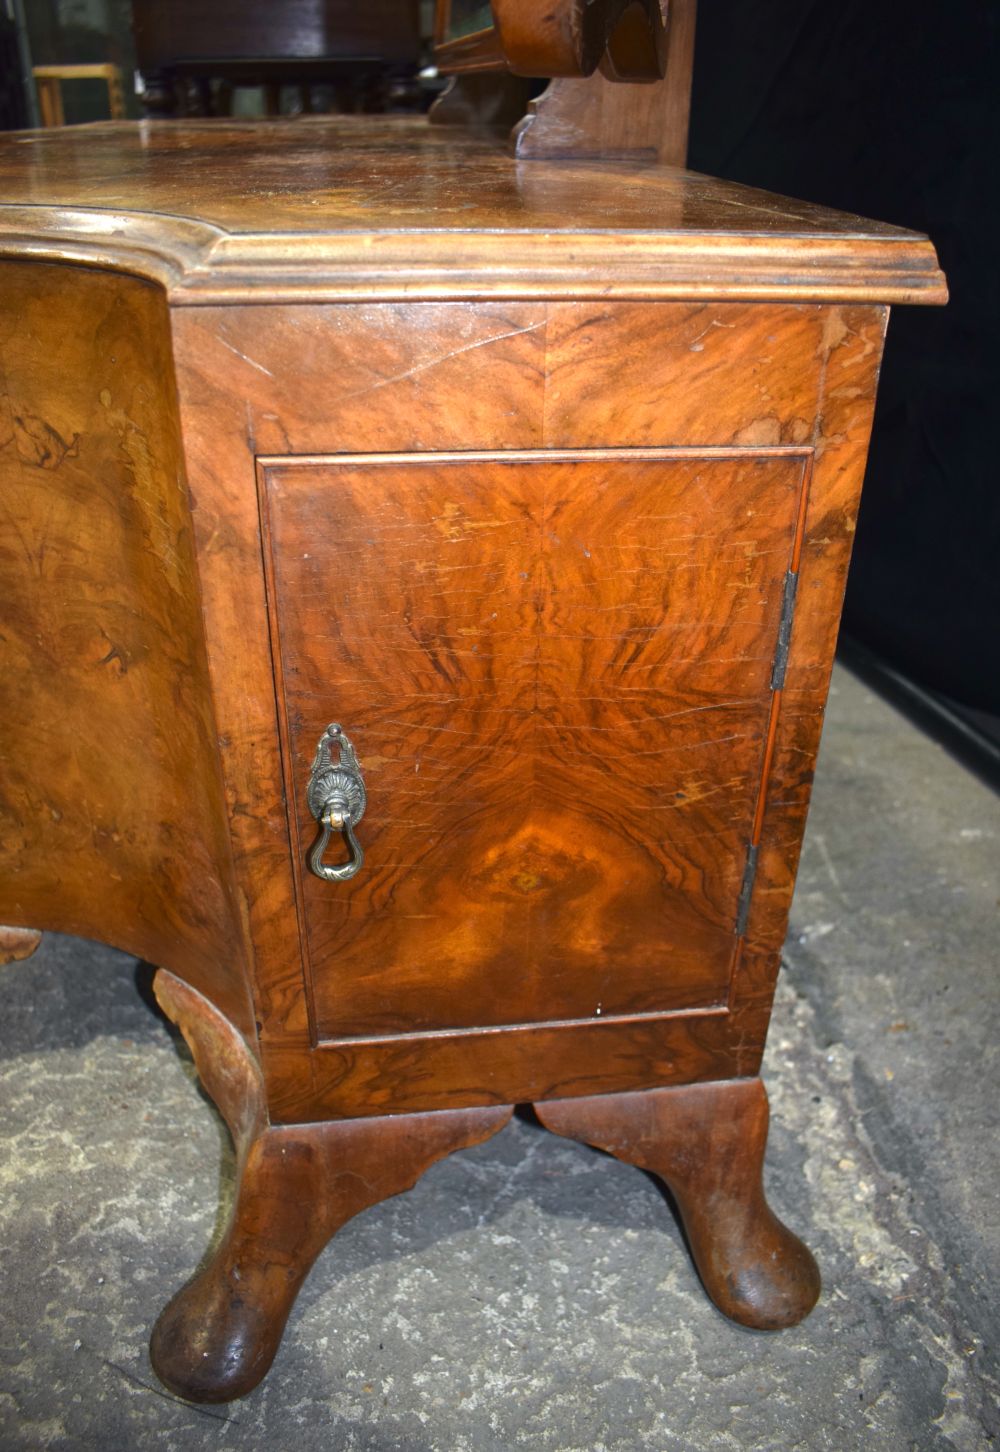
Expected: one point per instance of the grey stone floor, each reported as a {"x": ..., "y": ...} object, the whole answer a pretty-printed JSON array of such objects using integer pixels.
[{"x": 532, "y": 1293}]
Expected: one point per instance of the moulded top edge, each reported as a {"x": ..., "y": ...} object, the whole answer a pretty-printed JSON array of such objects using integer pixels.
[
  {"x": 199, "y": 263},
  {"x": 393, "y": 207}
]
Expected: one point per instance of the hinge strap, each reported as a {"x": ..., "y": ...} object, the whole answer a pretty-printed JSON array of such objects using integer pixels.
[
  {"x": 784, "y": 630},
  {"x": 746, "y": 891}
]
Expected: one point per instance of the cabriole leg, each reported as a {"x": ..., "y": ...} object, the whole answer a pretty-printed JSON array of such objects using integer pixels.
[
  {"x": 16, "y": 944},
  {"x": 297, "y": 1185},
  {"x": 707, "y": 1142}
]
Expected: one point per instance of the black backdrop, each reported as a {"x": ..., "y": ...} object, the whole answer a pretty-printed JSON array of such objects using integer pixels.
[{"x": 888, "y": 109}]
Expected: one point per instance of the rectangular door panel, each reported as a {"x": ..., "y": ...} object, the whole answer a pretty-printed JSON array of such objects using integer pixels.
[{"x": 555, "y": 670}]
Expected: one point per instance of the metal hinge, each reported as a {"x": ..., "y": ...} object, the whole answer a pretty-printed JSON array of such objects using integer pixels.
[
  {"x": 784, "y": 630},
  {"x": 746, "y": 891}
]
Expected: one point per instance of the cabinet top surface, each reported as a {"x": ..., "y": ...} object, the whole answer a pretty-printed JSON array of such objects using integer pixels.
[{"x": 360, "y": 206}]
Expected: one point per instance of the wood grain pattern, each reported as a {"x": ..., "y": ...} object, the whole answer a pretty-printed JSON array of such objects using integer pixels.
[
  {"x": 297, "y": 1187},
  {"x": 537, "y": 374},
  {"x": 716, "y": 374},
  {"x": 725, "y": 375},
  {"x": 113, "y": 824},
  {"x": 359, "y": 208},
  {"x": 527, "y": 374},
  {"x": 816, "y": 388},
  {"x": 555, "y": 669},
  {"x": 536, "y": 448},
  {"x": 850, "y": 355},
  {"x": 413, "y": 1073},
  {"x": 453, "y": 372},
  {"x": 707, "y": 1143}
]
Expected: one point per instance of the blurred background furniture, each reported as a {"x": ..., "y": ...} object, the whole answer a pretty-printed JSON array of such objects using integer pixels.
[
  {"x": 49, "y": 80},
  {"x": 191, "y": 55},
  {"x": 585, "y": 110}
]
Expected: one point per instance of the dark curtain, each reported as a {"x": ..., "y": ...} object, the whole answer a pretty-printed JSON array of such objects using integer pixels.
[
  {"x": 13, "y": 104},
  {"x": 889, "y": 110}
]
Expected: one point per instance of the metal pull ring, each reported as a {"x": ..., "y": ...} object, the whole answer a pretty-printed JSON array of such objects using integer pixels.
[{"x": 337, "y": 799}]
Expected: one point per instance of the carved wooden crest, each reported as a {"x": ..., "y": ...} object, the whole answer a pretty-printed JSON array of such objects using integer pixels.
[{"x": 626, "y": 38}]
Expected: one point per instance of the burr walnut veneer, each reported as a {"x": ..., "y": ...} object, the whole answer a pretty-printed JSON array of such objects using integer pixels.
[{"x": 539, "y": 481}]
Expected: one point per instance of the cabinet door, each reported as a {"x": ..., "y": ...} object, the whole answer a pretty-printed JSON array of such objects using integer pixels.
[{"x": 556, "y": 670}]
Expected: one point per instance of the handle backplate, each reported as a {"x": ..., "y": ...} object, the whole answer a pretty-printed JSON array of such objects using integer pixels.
[{"x": 337, "y": 799}]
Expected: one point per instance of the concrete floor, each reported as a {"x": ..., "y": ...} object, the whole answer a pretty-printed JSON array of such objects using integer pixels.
[{"x": 532, "y": 1293}]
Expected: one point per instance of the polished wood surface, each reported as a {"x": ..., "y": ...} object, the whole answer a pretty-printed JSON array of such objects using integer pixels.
[
  {"x": 355, "y": 208},
  {"x": 555, "y": 669},
  {"x": 296, "y": 1188},
  {"x": 449, "y": 377},
  {"x": 706, "y": 1142},
  {"x": 113, "y": 824},
  {"x": 528, "y": 474}
]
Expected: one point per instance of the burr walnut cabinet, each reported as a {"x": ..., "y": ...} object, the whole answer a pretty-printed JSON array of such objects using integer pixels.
[{"x": 421, "y": 575}]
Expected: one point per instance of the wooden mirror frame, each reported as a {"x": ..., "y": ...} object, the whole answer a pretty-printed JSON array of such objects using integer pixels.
[
  {"x": 480, "y": 50},
  {"x": 566, "y": 38}
]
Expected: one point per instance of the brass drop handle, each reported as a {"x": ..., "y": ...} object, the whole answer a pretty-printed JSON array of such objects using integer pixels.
[{"x": 337, "y": 799}]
